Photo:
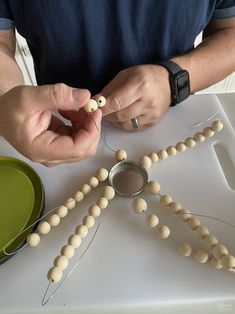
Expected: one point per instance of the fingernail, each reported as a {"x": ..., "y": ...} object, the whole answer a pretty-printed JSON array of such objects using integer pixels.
[{"x": 80, "y": 94}]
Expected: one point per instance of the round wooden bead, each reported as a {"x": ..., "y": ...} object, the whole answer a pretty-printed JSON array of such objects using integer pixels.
[
  {"x": 102, "y": 202},
  {"x": 217, "y": 126},
  {"x": 162, "y": 154},
  {"x": 70, "y": 203},
  {"x": 153, "y": 187},
  {"x": 91, "y": 106},
  {"x": 190, "y": 142},
  {"x": 81, "y": 231},
  {"x": 180, "y": 147},
  {"x": 61, "y": 261},
  {"x": 215, "y": 262},
  {"x": 54, "y": 274},
  {"x": 101, "y": 101},
  {"x": 33, "y": 239},
  {"x": 88, "y": 221},
  {"x": 228, "y": 262},
  {"x": 202, "y": 232},
  {"x": 211, "y": 240},
  {"x": 75, "y": 240},
  {"x": 184, "y": 215},
  {"x": 201, "y": 256},
  {"x": 185, "y": 249},
  {"x": 219, "y": 251},
  {"x": 62, "y": 211},
  {"x": 163, "y": 232},
  {"x": 139, "y": 205},
  {"x": 165, "y": 200},
  {"x": 93, "y": 182},
  {"x": 152, "y": 220},
  {"x": 145, "y": 162},
  {"x": 208, "y": 132},
  {"x": 175, "y": 207},
  {"x": 79, "y": 196},
  {"x": 53, "y": 220},
  {"x": 171, "y": 151},
  {"x": 153, "y": 156},
  {"x": 44, "y": 227},
  {"x": 199, "y": 137},
  {"x": 102, "y": 174},
  {"x": 108, "y": 192},
  {"x": 85, "y": 189},
  {"x": 95, "y": 211},
  {"x": 193, "y": 223},
  {"x": 120, "y": 155},
  {"x": 67, "y": 251}
]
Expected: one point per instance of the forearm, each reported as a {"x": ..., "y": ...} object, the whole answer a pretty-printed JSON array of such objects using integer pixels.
[{"x": 211, "y": 61}]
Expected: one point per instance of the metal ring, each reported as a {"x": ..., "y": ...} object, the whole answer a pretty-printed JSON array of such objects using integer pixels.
[{"x": 135, "y": 123}]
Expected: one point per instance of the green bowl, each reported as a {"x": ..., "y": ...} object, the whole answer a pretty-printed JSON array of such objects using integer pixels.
[{"x": 21, "y": 203}]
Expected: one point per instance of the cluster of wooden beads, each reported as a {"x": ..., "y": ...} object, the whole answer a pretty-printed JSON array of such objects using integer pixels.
[
  {"x": 81, "y": 231},
  {"x": 54, "y": 219},
  {"x": 95, "y": 103},
  {"x": 190, "y": 142}
]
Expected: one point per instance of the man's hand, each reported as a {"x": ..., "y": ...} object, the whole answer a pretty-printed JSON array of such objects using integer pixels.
[
  {"x": 141, "y": 91},
  {"x": 27, "y": 123}
]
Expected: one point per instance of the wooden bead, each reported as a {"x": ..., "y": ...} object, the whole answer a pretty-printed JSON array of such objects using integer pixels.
[
  {"x": 153, "y": 156},
  {"x": 153, "y": 187},
  {"x": 70, "y": 203},
  {"x": 145, "y": 162},
  {"x": 215, "y": 262},
  {"x": 61, "y": 261},
  {"x": 152, "y": 221},
  {"x": 102, "y": 202},
  {"x": 201, "y": 256},
  {"x": 175, "y": 207},
  {"x": 202, "y": 232},
  {"x": 211, "y": 240},
  {"x": 95, "y": 211},
  {"x": 165, "y": 200},
  {"x": 162, "y": 154},
  {"x": 62, "y": 211},
  {"x": 139, "y": 205},
  {"x": 163, "y": 232},
  {"x": 33, "y": 239},
  {"x": 93, "y": 182},
  {"x": 208, "y": 132},
  {"x": 184, "y": 215},
  {"x": 199, "y": 137},
  {"x": 44, "y": 227},
  {"x": 217, "y": 126},
  {"x": 85, "y": 189},
  {"x": 171, "y": 151},
  {"x": 88, "y": 221},
  {"x": 53, "y": 220},
  {"x": 193, "y": 223},
  {"x": 81, "y": 231},
  {"x": 120, "y": 155},
  {"x": 219, "y": 251},
  {"x": 180, "y": 147},
  {"x": 228, "y": 262},
  {"x": 75, "y": 241},
  {"x": 101, "y": 101},
  {"x": 185, "y": 249},
  {"x": 108, "y": 192},
  {"x": 79, "y": 196},
  {"x": 54, "y": 274},
  {"x": 68, "y": 251},
  {"x": 102, "y": 174},
  {"x": 91, "y": 106},
  {"x": 190, "y": 142}
]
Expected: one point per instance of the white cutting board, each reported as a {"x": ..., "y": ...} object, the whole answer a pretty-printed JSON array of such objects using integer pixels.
[{"x": 128, "y": 269}]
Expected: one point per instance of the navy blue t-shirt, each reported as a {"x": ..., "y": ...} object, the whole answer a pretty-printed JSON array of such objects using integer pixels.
[{"x": 85, "y": 43}]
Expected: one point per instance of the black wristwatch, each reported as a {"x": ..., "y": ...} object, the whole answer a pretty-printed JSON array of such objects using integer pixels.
[{"x": 179, "y": 81}]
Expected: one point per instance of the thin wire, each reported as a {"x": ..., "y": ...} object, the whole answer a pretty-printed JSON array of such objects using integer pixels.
[
  {"x": 105, "y": 140},
  {"x": 214, "y": 218},
  {"x": 44, "y": 302},
  {"x": 94, "y": 122},
  {"x": 197, "y": 124}
]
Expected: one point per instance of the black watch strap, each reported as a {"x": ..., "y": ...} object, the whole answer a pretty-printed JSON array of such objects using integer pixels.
[{"x": 171, "y": 66}]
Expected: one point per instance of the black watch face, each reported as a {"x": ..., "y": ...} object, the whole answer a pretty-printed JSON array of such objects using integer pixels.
[{"x": 182, "y": 86}]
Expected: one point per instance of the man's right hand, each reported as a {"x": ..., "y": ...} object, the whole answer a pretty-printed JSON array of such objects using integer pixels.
[{"x": 27, "y": 123}]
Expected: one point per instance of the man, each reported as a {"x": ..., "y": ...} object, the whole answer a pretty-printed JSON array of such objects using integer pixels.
[{"x": 107, "y": 47}]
